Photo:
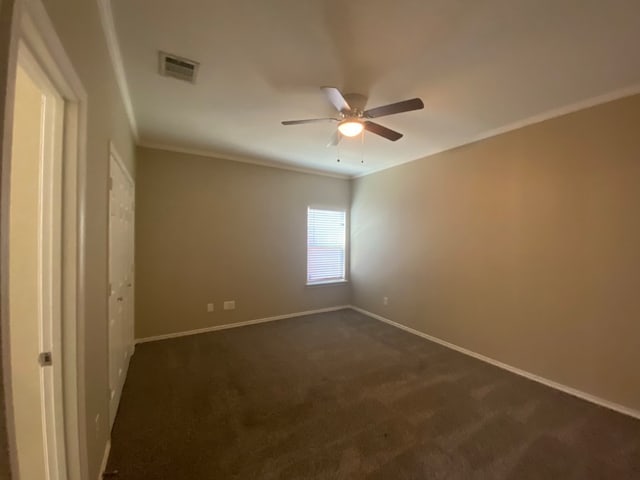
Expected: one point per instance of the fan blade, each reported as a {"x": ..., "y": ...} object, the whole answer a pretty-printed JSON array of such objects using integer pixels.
[
  {"x": 382, "y": 131},
  {"x": 405, "y": 106},
  {"x": 335, "y": 139},
  {"x": 311, "y": 120},
  {"x": 337, "y": 99}
]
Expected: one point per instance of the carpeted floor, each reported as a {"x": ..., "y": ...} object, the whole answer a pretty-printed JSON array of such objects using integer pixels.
[{"x": 343, "y": 396}]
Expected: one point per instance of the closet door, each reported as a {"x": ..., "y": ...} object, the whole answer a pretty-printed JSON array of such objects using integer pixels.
[{"x": 121, "y": 268}]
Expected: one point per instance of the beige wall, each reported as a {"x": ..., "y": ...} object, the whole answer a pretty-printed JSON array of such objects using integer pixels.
[
  {"x": 524, "y": 247},
  {"x": 77, "y": 22},
  {"x": 211, "y": 230}
]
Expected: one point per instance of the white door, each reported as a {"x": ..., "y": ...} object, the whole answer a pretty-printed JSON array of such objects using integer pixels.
[
  {"x": 121, "y": 269},
  {"x": 35, "y": 273}
]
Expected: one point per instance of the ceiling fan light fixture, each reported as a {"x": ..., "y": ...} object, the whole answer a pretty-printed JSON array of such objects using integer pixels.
[{"x": 350, "y": 128}]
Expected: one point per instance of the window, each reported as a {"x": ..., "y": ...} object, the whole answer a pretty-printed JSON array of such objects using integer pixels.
[{"x": 325, "y": 246}]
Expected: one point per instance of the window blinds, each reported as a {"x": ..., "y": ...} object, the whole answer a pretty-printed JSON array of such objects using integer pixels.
[{"x": 325, "y": 246}]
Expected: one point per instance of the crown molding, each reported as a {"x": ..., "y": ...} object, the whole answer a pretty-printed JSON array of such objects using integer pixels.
[
  {"x": 541, "y": 117},
  {"x": 108, "y": 25},
  {"x": 109, "y": 29},
  {"x": 238, "y": 158}
]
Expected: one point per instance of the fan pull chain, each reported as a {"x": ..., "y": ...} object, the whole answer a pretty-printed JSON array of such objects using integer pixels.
[
  {"x": 338, "y": 147},
  {"x": 362, "y": 148}
]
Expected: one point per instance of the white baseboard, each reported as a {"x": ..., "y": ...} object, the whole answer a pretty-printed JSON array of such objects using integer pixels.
[
  {"x": 105, "y": 459},
  {"x": 536, "y": 378},
  {"x": 215, "y": 328}
]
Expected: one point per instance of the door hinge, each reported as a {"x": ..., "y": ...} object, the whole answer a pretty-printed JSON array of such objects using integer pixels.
[{"x": 45, "y": 359}]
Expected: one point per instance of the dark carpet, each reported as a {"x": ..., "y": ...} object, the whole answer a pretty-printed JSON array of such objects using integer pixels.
[{"x": 342, "y": 396}]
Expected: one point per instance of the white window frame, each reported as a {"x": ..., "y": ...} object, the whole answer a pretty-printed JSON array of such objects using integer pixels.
[{"x": 329, "y": 281}]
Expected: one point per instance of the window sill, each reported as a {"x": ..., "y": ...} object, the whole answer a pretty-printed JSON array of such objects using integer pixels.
[{"x": 328, "y": 283}]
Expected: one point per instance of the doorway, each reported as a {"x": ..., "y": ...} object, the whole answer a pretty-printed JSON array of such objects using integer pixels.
[
  {"x": 42, "y": 274},
  {"x": 35, "y": 272}
]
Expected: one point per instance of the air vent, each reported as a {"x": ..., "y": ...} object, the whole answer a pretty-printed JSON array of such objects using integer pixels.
[{"x": 178, "y": 67}]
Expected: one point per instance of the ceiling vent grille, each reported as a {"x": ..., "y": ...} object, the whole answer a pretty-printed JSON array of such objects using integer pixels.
[{"x": 178, "y": 67}]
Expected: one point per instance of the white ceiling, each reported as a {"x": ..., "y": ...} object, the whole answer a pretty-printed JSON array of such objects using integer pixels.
[{"x": 479, "y": 66}]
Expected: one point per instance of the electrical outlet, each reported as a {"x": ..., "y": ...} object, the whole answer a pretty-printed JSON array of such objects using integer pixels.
[
  {"x": 230, "y": 305},
  {"x": 209, "y": 307},
  {"x": 385, "y": 300}
]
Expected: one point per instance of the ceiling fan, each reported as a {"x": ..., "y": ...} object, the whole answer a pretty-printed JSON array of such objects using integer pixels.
[{"x": 353, "y": 118}]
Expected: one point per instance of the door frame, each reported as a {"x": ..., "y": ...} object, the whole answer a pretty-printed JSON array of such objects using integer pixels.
[
  {"x": 32, "y": 29},
  {"x": 48, "y": 291}
]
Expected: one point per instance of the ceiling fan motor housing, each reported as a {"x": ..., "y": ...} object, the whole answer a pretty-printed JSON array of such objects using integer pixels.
[{"x": 357, "y": 102}]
